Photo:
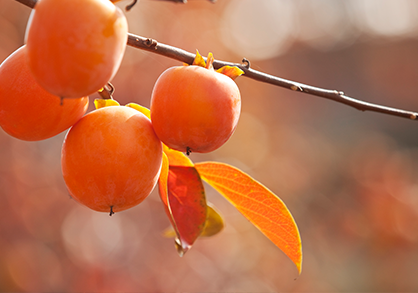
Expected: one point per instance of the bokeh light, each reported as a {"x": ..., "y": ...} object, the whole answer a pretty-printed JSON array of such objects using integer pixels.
[
  {"x": 387, "y": 18},
  {"x": 258, "y": 30}
]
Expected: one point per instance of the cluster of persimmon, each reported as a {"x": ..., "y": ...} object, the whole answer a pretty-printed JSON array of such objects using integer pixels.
[{"x": 112, "y": 156}]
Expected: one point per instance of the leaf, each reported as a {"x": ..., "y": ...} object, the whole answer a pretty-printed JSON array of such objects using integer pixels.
[
  {"x": 258, "y": 204},
  {"x": 162, "y": 186},
  {"x": 214, "y": 222},
  {"x": 101, "y": 103},
  {"x": 140, "y": 108},
  {"x": 182, "y": 192},
  {"x": 231, "y": 71},
  {"x": 213, "y": 225}
]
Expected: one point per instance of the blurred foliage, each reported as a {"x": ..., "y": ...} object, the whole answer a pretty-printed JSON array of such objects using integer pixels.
[{"x": 348, "y": 177}]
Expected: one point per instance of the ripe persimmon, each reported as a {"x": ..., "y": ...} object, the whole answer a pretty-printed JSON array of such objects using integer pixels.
[
  {"x": 111, "y": 159},
  {"x": 27, "y": 111},
  {"x": 194, "y": 109},
  {"x": 75, "y": 46}
]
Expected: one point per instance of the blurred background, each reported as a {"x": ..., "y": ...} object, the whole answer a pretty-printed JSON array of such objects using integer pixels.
[{"x": 348, "y": 177}]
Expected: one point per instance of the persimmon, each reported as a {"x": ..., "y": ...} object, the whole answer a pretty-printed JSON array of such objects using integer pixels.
[
  {"x": 27, "y": 111},
  {"x": 75, "y": 46},
  {"x": 195, "y": 108},
  {"x": 111, "y": 159}
]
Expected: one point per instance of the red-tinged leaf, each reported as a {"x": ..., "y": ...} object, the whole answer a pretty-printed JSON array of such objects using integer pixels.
[
  {"x": 214, "y": 224},
  {"x": 258, "y": 204},
  {"x": 186, "y": 197},
  {"x": 231, "y": 71},
  {"x": 183, "y": 195}
]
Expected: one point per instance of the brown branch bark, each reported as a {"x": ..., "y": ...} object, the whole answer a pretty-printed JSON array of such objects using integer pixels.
[{"x": 151, "y": 45}]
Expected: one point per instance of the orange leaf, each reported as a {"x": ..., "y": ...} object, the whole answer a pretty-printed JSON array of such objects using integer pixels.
[
  {"x": 162, "y": 186},
  {"x": 258, "y": 204},
  {"x": 181, "y": 190}
]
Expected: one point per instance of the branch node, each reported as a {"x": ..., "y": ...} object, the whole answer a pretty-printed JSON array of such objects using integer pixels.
[
  {"x": 151, "y": 43},
  {"x": 296, "y": 88},
  {"x": 413, "y": 116},
  {"x": 247, "y": 63},
  {"x": 340, "y": 93}
]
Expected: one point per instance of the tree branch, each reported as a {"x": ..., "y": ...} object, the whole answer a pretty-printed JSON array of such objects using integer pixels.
[{"x": 153, "y": 46}]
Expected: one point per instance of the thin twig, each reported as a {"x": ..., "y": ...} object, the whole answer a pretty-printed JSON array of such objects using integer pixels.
[
  {"x": 337, "y": 96},
  {"x": 151, "y": 45}
]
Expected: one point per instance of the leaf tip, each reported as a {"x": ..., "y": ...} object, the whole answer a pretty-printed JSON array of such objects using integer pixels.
[
  {"x": 181, "y": 247},
  {"x": 299, "y": 266}
]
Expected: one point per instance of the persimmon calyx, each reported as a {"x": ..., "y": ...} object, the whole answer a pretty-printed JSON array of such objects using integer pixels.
[
  {"x": 140, "y": 108},
  {"x": 101, "y": 103},
  {"x": 231, "y": 71}
]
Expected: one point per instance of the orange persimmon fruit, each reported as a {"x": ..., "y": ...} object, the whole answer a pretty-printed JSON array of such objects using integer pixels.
[
  {"x": 27, "y": 111},
  {"x": 75, "y": 46},
  {"x": 194, "y": 108},
  {"x": 111, "y": 159}
]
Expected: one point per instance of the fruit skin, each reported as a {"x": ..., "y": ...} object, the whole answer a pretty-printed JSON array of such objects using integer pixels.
[
  {"x": 27, "y": 111},
  {"x": 194, "y": 109},
  {"x": 111, "y": 159},
  {"x": 75, "y": 46}
]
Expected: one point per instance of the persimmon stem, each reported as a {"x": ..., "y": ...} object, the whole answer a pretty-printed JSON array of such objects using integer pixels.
[
  {"x": 129, "y": 7},
  {"x": 107, "y": 91},
  {"x": 151, "y": 45},
  {"x": 111, "y": 211}
]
